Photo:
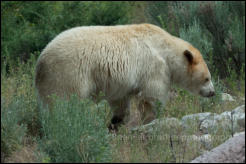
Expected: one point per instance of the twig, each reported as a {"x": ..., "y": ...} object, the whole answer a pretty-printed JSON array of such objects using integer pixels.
[{"x": 172, "y": 149}]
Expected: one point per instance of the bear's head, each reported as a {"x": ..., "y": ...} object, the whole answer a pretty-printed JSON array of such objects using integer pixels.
[
  {"x": 189, "y": 70},
  {"x": 198, "y": 76}
]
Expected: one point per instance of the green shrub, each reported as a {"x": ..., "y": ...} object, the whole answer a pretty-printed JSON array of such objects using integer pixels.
[
  {"x": 198, "y": 39},
  {"x": 225, "y": 31},
  {"x": 159, "y": 13},
  {"x": 76, "y": 131},
  {"x": 222, "y": 22},
  {"x": 108, "y": 13},
  {"x": 29, "y": 26},
  {"x": 18, "y": 107},
  {"x": 12, "y": 131}
]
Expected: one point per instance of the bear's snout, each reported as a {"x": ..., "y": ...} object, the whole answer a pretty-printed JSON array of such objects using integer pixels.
[
  {"x": 211, "y": 94},
  {"x": 207, "y": 94},
  {"x": 207, "y": 90}
]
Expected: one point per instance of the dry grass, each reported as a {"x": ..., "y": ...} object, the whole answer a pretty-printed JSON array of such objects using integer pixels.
[{"x": 26, "y": 154}]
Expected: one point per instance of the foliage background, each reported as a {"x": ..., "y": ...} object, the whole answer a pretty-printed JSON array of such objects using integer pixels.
[{"x": 217, "y": 29}]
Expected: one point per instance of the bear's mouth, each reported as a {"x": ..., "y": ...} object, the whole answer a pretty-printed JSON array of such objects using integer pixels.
[{"x": 207, "y": 94}]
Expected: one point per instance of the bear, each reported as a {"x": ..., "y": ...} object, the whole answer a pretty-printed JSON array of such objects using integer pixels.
[{"x": 122, "y": 61}]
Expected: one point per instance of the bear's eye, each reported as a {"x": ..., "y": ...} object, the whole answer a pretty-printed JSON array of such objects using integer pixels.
[{"x": 206, "y": 80}]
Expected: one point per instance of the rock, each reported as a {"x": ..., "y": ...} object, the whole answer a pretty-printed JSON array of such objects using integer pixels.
[
  {"x": 206, "y": 122},
  {"x": 240, "y": 109},
  {"x": 211, "y": 125},
  {"x": 205, "y": 140},
  {"x": 227, "y": 97},
  {"x": 234, "y": 120},
  {"x": 232, "y": 151},
  {"x": 242, "y": 99},
  {"x": 237, "y": 134},
  {"x": 158, "y": 124},
  {"x": 196, "y": 119},
  {"x": 239, "y": 116}
]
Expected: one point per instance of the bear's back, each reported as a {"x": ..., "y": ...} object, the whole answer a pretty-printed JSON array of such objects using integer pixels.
[{"x": 108, "y": 57}]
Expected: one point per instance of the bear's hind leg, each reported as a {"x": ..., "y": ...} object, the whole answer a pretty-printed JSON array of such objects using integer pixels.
[{"x": 120, "y": 111}]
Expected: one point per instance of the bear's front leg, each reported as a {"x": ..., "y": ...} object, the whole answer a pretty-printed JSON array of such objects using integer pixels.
[
  {"x": 155, "y": 90},
  {"x": 147, "y": 111}
]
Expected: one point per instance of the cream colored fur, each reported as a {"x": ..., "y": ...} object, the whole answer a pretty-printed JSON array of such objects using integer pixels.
[{"x": 121, "y": 61}]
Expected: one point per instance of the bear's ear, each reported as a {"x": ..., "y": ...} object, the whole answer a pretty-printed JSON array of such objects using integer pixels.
[{"x": 188, "y": 56}]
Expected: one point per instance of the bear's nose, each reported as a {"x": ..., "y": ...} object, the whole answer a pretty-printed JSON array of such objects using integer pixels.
[{"x": 211, "y": 93}]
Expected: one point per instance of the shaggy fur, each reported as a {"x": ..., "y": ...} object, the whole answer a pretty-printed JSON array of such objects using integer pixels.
[{"x": 121, "y": 61}]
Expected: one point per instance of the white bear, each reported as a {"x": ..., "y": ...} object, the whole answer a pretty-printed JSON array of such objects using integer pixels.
[{"x": 121, "y": 61}]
